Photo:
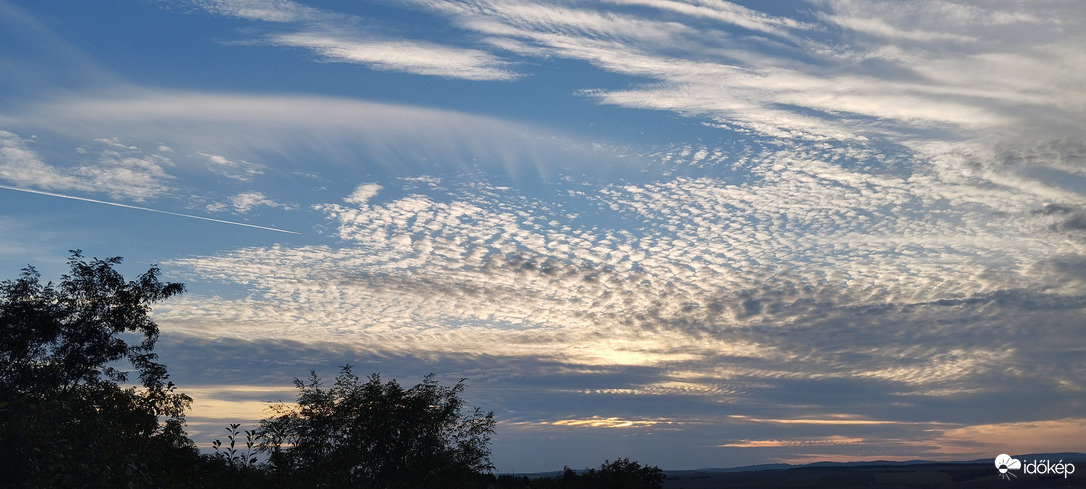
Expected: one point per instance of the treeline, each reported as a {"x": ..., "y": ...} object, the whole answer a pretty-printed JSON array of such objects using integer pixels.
[
  {"x": 619, "y": 474},
  {"x": 85, "y": 402}
]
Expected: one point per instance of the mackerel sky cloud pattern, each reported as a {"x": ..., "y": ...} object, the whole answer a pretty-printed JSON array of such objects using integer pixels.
[{"x": 695, "y": 233}]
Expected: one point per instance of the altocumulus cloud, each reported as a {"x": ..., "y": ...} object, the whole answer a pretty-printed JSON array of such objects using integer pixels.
[
  {"x": 860, "y": 274},
  {"x": 808, "y": 275},
  {"x": 881, "y": 242}
]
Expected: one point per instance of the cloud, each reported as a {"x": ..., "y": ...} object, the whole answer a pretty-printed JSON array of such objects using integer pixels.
[
  {"x": 707, "y": 69},
  {"x": 817, "y": 83},
  {"x": 819, "y": 441},
  {"x": 835, "y": 72},
  {"x": 363, "y": 193},
  {"x": 147, "y": 209},
  {"x": 806, "y": 283},
  {"x": 231, "y": 130},
  {"x": 726, "y": 12},
  {"x": 242, "y": 171},
  {"x": 121, "y": 171},
  {"x": 263, "y": 10},
  {"x": 21, "y": 165},
  {"x": 883, "y": 243},
  {"x": 939, "y": 18},
  {"x": 423, "y": 58},
  {"x": 245, "y": 202},
  {"x": 611, "y": 423},
  {"x": 811, "y": 272},
  {"x": 1025, "y": 436},
  {"x": 345, "y": 38},
  {"x": 534, "y": 396}
]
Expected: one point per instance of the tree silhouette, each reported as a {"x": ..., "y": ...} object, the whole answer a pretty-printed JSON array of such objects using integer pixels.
[
  {"x": 372, "y": 434},
  {"x": 625, "y": 474},
  {"x": 68, "y": 418},
  {"x": 618, "y": 474}
]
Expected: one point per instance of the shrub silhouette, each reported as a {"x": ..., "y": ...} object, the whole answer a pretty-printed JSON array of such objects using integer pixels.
[
  {"x": 618, "y": 474},
  {"x": 377, "y": 434}
]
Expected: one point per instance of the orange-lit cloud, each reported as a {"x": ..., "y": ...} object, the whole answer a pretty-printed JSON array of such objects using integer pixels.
[
  {"x": 808, "y": 442},
  {"x": 612, "y": 422},
  {"x": 839, "y": 419},
  {"x": 1060, "y": 435}
]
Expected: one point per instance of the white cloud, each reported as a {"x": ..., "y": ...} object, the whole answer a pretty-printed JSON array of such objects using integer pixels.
[
  {"x": 952, "y": 81},
  {"x": 245, "y": 202},
  {"x": 363, "y": 193},
  {"x": 800, "y": 273},
  {"x": 20, "y": 165},
  {"x": 402, "y": 138},
  {"x": 846, "y": 70},
  {"x": 264, "y": 10},
  {"x": 346, "y": 38},
  {"x": 423, "y": 58},
  {"x": 242, "y": 171},
  {"x": 726, "y": 12},
  {"x": 121, "y": 171}
]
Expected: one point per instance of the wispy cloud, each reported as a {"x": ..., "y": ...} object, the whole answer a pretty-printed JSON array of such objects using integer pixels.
[
  {"x": 423, "y": 58},
  {"x": 727, "y": 12},
  {"x": 824, "y": 85},
  {"x": 837, "y": 71},
  {"x": 234, "y": 133},
  {"x": 345, "y": 38},
  {"x": 264, "y": 10}
]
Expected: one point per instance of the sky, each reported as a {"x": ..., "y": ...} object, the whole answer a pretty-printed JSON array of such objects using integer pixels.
[{"x": 693, "y": 233}]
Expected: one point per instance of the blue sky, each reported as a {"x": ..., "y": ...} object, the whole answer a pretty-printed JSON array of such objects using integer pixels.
[{"x": 692, "y": 233}]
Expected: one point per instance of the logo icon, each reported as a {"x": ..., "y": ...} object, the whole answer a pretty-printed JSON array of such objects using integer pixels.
[{"x": 1005, "y": 464}]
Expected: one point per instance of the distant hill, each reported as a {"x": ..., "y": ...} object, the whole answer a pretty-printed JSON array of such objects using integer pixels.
[
  {"x": 876, "y": 474},
  {"x": 1054, "y": 457},
  {"x": 880, "y": 474}
]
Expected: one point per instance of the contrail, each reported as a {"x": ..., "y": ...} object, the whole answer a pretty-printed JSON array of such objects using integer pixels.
[{"x": 126, "y": 206}]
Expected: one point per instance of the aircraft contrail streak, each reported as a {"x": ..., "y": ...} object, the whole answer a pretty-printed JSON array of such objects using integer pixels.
[{"x": 126, "y": 206}]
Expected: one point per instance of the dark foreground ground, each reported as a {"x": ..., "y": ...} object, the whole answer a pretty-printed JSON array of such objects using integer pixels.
[{"x": 928, "y": 476}]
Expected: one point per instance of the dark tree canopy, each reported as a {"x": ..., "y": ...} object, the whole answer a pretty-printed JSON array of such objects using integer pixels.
[
  {"x": 69, "y": 415},
  {"x": 621, "y": 473},
  {"x": 369, "y": 433},
  {"x": 625, "y": 474}
]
